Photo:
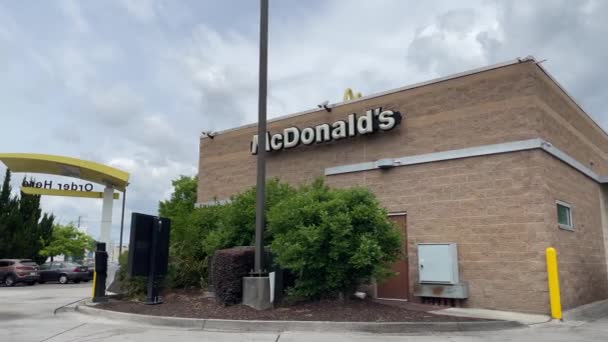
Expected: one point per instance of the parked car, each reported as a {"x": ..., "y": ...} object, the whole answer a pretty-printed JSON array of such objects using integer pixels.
[
  {"x": 13, "y": 271},
  {"x": 63, "y": 272},
  {"x": 91, "y": 266}
]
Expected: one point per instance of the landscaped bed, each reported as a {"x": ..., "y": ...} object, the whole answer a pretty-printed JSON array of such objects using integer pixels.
[{"x": 195, "y": 304}]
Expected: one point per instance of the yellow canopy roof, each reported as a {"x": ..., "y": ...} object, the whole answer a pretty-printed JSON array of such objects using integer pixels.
[{"x": 66, "y": 166}]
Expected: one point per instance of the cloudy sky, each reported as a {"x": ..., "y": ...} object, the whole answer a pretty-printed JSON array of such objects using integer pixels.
[{"x": 132, "y": 83}]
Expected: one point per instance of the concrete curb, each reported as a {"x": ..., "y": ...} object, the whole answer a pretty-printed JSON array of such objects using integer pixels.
[{"x": 302, "y": 326}]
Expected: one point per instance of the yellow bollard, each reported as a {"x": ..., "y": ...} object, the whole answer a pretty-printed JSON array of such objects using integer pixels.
[
  {"x": 552, "y": 276},
  {"x": 94, "y": 282}
]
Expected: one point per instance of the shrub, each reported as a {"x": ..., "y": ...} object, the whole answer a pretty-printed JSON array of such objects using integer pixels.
[
  {"x": 329, "y": 240},
  {"x": 188, "y": 256},
  {"x": 229, "y": 266},
  {"x": 132, "y": 287},
  {"x": 332, "y": 240},
  {"x": 236, "y": 226},
  {"x": 196, "y": 233}
]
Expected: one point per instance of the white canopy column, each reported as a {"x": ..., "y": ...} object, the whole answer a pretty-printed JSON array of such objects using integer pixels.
[{"x": 106, "y": 217}]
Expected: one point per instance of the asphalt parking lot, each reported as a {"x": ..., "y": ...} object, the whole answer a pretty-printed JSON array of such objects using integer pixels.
[{"x": 26, "y": 312}]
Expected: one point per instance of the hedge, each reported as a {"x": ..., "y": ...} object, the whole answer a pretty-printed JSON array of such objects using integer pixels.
[{"x": 228, "y": 268}]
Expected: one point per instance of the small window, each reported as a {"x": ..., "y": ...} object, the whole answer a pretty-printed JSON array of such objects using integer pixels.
[{"x": 564, "y": 215}]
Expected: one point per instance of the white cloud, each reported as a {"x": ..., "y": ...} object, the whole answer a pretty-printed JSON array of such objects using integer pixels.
[
  {"x": 115, "y": 106},
  {"x": 144, "y": 10},
  {"x": 134, "y": 84},
  {"x": 72, "y": 10}
]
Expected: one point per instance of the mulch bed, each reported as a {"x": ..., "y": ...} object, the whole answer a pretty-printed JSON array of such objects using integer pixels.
[{"x": 194, "y": 304}]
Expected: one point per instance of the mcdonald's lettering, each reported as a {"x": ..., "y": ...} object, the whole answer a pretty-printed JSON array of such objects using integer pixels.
[{"x": 371, "y": 122}]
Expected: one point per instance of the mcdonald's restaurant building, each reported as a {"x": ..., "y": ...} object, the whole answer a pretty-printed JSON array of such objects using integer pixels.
[{"x": 482, "y": 171}]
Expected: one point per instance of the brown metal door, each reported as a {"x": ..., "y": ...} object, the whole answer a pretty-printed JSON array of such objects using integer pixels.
[{"x": 397, "y": 287}]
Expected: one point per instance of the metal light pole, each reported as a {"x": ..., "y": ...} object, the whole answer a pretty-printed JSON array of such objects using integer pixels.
[
  {"x": 260, "y": 202},
  {"x": 122, "y": 223}
]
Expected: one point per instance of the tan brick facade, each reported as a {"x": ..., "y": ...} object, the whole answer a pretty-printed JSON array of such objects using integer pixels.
[
  {"x": 581, "y": 253},
  {"x": 500, "y": 209}
]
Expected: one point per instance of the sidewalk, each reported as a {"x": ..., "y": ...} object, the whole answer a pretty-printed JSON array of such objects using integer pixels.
[{"x": 523, "y": 318}]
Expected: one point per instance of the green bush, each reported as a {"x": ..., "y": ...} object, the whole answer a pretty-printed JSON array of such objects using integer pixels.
[
  {"x": 329, "y": 240},
  {"x": 236, "y": 226},
  {"x": 196, "y": 233},
  {"x": 332, "y": 240},
  {"x": 188, "y": 256}
]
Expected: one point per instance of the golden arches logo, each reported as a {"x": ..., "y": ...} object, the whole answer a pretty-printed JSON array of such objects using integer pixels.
[{"x": 350, "y": 95}]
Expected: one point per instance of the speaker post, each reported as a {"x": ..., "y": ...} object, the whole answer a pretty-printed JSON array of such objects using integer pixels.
[
  {"x": 152, "y": 297},
  {"x": 149, "y": 251},
  {"x": 101, "y": 273}
]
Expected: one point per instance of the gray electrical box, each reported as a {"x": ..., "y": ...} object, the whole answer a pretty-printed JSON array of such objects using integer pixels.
[{"x": 438, "y": 263}]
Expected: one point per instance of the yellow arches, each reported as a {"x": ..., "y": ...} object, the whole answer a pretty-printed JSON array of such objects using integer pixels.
[
  {"x": 64, "y": 193},
  {"x": 66, "y": 166},
  {"x": 111, "y": 178},
  {"x": 350, "y": 95}
]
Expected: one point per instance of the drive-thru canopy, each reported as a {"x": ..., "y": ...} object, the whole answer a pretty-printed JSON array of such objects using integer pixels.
[
  {"x": 66, "y": 166},
  {"x": 110, "y": 177}
]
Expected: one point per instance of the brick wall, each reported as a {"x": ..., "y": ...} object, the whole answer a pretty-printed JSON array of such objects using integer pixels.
[
  {"x": 501, "y": 211},
  {"x": 604, "y": 208},
  {"x": 581, "y": 253},
  {"x": 569, "y": 128},
  {"x": 493, "y": 207}
]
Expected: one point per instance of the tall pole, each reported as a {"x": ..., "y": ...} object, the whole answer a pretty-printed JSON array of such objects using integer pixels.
[
  {"x": 122, "y": 223},
  {"x": 260, "y": 201}
]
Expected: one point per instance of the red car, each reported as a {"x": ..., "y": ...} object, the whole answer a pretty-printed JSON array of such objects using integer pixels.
[{"x": 13, "y": 271}]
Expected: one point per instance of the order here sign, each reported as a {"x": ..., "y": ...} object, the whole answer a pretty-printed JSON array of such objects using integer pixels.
[{"x": 58, "y": 186}]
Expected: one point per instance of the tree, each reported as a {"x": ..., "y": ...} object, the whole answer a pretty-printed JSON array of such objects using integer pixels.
[
  {"x": 45, "y": 233},
  {"x": 28, "y": 237},
  {"x": 332, "y": 239},
  {"x": 5, "y": 201},
  {"x": 182, "y": 200},
  {"x": 67, "y": 240},
  {"x": 5, "y": 192},
  {"x": 23, "y": 231}
]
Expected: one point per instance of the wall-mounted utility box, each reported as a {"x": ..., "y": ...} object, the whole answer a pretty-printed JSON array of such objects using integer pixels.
[{"x": 438, "y": 263}]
